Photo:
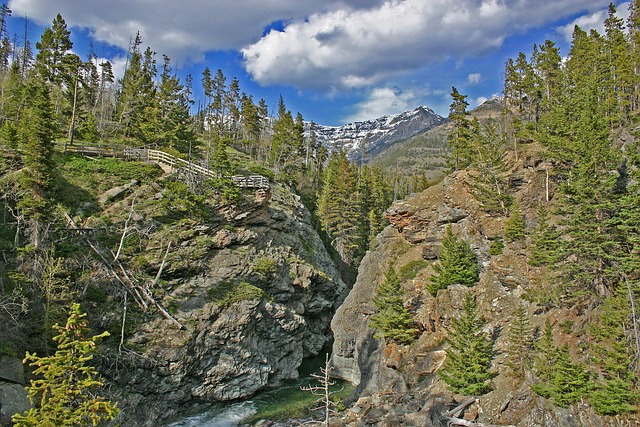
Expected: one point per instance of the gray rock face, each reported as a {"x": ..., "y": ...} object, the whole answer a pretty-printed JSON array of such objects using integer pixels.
[
  {"x": 11, "y": 369},
  {"x": 262, "y": 301},
  {"x": 13, "y": 400}
]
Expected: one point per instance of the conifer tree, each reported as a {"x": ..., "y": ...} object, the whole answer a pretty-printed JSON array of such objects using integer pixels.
[
  {"x": 545, "y": 245},
  {"x": 459, "y": 138},
  {"x": 560, "y": 379},
  {"x": 514, "y": 228},
  {"x": 53, "y": 47},
  {"x": 65, "y": 391},
  {"x": 339, "y": 209},
  {"x": 456, "y": 264},
  {"x": 615, "y": 391},
  {"x": 392, "y": 319},
  {"x": 466, "y": 368},
  {"x": 37, "y": 134},
  {"x": 520, "y": 341},
  {"x": 490, "y": 185}
]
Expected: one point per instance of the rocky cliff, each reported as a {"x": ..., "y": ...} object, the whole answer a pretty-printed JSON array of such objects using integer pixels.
[
  {"x": 399, "y": 385},
  {"x": 254, "y": 290}
]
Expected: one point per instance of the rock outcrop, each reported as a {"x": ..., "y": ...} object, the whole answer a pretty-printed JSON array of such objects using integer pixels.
[
  {"x": 255, "y": 290},
  {"x": 399, "y": 385}
]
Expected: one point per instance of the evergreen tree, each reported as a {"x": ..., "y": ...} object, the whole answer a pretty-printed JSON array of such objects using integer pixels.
[
  {"x": 65, "y": 392},
  {"x": 616, "y": 388},
  {"x": 339, "y": 209},
  {"x": 490, "y": 185},
  {"x": 459, "y": 138},
  {"x": 392, "y": 320},
  {"x": 466, "y": 368},
  {"x": 514, "y": 228},
  {"x": 456, "y": 264},
  {"x": 53, "y": 47},
  {"x": 37, "y": 134},
  {"x": 520, "y": 341},
  {"x": 5, "y": 43},
  {"x": 545, "y": 245},
  {"x": 560, "y": 379}
]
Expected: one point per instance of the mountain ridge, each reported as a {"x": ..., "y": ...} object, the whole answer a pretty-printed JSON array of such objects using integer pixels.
[{"x": 363, "y": 138}]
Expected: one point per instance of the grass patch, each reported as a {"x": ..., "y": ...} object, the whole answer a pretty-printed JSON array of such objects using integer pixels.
[
  {"x": 227, "y": 293},
  {"x": 410, "y": 270}
]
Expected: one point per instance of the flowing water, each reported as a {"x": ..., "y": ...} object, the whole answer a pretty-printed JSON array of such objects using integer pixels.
[{"x": 286, "y": 401}]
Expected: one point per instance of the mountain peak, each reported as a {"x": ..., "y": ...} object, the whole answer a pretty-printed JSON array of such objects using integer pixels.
[{"x": 358, "y": 139}]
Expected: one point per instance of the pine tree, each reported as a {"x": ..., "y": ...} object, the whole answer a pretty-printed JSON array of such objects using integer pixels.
[
  {"x": 456, "y": 264},
  {"x": 514, "y": 228},
  {"x": 459, "y": 138},
  {"x": 339, "y": 209},
  {"x": 520, "y": 341},
  {"x": 65, "y": 392},
  {"x": 560, "y": 379},
  {"x": 466, "y": 368},
  {"x": 37, "y": 134},
  {"x": 53, "y": 47},
  {"x": 545, "y": 245},
  {"x": 615, "y": 390},
  {"x": 490, "y": 185},
  {"x": 392, "y": 319}
]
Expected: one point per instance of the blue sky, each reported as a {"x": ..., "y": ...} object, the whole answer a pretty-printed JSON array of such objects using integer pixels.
[{"x": 334, "y": 61}]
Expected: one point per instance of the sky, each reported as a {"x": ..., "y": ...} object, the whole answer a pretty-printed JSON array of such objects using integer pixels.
[{"x": 333, "y": 61}]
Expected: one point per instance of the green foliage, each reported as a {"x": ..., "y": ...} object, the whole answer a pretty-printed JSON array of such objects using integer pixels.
[
  {"x": 560, "y": 379},
  {"x": 466, "y": 368},
  {"x": 227, "y": 293},
  {"x": 65, "y": 392},
  {"x": 340, "y": 209},
  {"x": 411, "y": 269},
  {"x": 520, "y": 341},
  {"x": 514, "y": 228},
  {"x": 545, "y": 245},
  {"x": 456, "y": 264},
  {"x": 496, "y": 246},
  {"x": 612, "y": 349},
  {"x": 392, "y": 320},
  {"x": 177, "y": 197},
  {"x": 264, "y": 267},
  {"x": 490, "y": 185},
  {"x": 460, "y": 138}
]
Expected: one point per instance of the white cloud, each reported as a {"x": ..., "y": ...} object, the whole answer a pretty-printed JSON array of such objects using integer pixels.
[
  {"x": 346, "y": 48},
  {"x": 592, "y": 21},
  {"x": 183, "y": 29},
  {"x": 474, "y": 78},
  {"x": 328, "y": 45},
  {"x": 383, "y": 101}
]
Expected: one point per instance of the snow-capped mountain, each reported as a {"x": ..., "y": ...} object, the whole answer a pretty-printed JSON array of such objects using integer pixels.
[{"x": 361, "y": 139}]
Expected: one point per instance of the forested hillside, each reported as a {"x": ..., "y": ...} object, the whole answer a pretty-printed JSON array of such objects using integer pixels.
[
  {"x": 137, "y": 245},
  {"x": 516, "y": 280}
]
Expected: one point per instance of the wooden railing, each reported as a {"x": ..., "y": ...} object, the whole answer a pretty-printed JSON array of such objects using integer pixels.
[{"x": 160, "y": 157}]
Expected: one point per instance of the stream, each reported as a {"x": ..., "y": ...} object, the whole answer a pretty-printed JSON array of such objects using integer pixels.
[{"x": 286, "y": 401}]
